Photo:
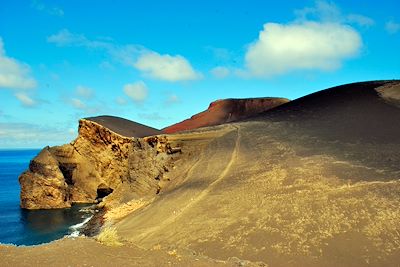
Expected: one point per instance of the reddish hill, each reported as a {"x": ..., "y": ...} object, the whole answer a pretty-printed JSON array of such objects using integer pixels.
[{"x": 227, "y": 110}]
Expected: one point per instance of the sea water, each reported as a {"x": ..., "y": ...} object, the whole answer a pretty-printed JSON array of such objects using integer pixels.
[{"x": 26, "y": 227}]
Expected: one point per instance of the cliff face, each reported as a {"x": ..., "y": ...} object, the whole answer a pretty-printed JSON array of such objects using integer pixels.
[
  {"x": 97, "y": 163},
  {"x": 227, "y": 110}
]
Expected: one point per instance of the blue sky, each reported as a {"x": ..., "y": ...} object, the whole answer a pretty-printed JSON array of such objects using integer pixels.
[{"x": 159, "y": 62}]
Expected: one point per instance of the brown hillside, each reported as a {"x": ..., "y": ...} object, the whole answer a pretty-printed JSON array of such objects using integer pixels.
[{"x": 226, "y": 110}]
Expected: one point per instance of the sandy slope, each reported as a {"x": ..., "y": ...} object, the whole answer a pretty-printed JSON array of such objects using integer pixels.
[
  {"x": 313, "y": 183},
  {"x": 287, "y": 201},
  {"x": 289, "y": 190},
  {"x": 87, "y": 252}
]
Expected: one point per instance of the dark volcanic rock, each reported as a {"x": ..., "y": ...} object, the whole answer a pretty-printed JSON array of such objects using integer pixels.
[{"x": 124, "y": 127}]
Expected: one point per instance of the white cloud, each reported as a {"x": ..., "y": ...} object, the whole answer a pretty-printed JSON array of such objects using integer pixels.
[
  {"x": 162, "y": 67},
  {"x": 54, "y": 11},
  {"x": 84, "y": 92},
  {"x": 13, "y": 135},
  {"x": 121, "y": 101},
  {"x": 282, "y": 48},
  {"x": 220, "y": 72},
  {"x": 66, "y": 38},
  {"x": 222, "y": 54},
  {"x": 392, "y": 27},
  {"x": 14, "y": 74},
  {"x": 172, "y": 99},
  {"x": 155, "y": 116},
  {"x": 105, "y": 65},
  {"x": 327, "y": 11},
  {"x": 360, "y": 20},
  {"x": 166, "y": 67},
  {"x": 136, "y": 91},
  {"x": 77, "y": 103},
  {"x": 85, "y": 109},
  {"x": 125, "y": 54},
  {"x": 25, "y": 100}
]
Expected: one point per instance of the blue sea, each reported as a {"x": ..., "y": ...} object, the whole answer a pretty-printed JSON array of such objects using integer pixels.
[{"x": 24, "y": 227}]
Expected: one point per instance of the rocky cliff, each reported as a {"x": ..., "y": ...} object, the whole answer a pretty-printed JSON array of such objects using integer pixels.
[
  {"x": 99, "y": 161},
  {"x": 227, "y": 110}
]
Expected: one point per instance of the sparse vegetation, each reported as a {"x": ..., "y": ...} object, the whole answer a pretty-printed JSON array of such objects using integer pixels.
[
  {"x": 123, "y": 210},
  {"x": 109, "y": 237}
]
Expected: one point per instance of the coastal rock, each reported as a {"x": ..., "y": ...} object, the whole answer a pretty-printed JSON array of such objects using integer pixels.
[
  {"x": 43, "y": 185},
  {"x": 99, "y": 161}
]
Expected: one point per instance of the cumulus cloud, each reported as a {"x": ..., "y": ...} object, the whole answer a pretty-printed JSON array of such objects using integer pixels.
[
  {"x": 220, "y": 72},
  {"x": 162, "y": 67},
  {"x": 166, "y": 67},
  {"x": 14, "y": 74},
  {"x": 136, "y": 91},
  {"x": 25, "y": 100},
  {"x": 84, "y": 91},
  {"x": 392, "y": 27},
  {"x": 281, "y": 48}
]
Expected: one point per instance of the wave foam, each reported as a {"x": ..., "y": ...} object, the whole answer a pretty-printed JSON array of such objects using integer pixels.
[{"x": 75, "y": 229}]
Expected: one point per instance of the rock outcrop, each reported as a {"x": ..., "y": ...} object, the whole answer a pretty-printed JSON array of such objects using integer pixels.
[
  {"x": 44, "y": 185},
  {"x": 99, "y": 161},
  {"x": 227, "y": 110}
]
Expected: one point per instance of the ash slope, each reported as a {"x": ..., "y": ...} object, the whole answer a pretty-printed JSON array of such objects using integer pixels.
[
  {"x": 226, "y": 110},
  {"x": 124, "y": 127},
  {"x": 314, "y": 182},
  {"x": 365, "y": 111}
]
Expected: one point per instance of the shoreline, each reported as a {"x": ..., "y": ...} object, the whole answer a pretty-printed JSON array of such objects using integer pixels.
[
  {"x": 93, "y": 226},
  {"x": 89, "y": 225}
]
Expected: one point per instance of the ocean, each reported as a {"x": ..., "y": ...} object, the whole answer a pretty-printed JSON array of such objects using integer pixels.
[{"x": 25, "y": 227}]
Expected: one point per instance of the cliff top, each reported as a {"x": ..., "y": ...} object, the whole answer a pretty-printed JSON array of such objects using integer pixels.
[{"x": 124, "y": 127}]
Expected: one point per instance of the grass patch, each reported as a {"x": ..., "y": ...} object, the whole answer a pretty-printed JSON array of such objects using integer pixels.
[{"x": 109, "y": 237}]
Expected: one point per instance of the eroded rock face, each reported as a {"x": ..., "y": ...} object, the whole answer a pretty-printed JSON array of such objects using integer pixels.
[
  {"x": 43, "y": 185},
  {"x": 97, "y": 160}
]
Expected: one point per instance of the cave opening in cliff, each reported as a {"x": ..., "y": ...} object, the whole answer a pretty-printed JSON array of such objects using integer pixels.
[
  {"x": 103, "y": 191},
  {"x": 67, "y": 170}
]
